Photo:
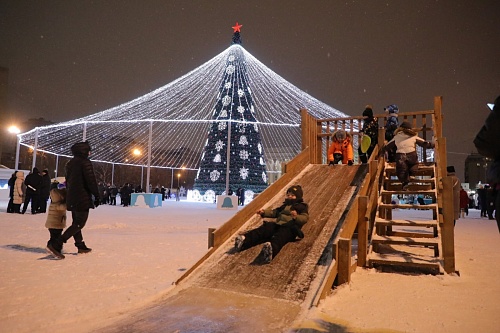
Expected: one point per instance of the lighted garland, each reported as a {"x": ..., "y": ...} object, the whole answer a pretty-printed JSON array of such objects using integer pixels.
[{"x": 184, "y": 111}]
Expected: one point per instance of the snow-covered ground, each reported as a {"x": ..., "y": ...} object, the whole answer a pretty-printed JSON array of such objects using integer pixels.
[{"x": 139, "y": 252}]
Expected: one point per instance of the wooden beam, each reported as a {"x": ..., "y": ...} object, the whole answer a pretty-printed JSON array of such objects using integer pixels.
[
  {"x": 344, "y": 260},
  {"x": 447, "y": 227},
  {"x": 362, "y": 230}
]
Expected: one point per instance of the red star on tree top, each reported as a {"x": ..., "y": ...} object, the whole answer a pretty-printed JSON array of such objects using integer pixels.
[{"x": 237, "y": 27}]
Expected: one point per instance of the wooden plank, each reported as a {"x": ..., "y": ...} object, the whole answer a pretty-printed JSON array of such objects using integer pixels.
[
  {"x": 408, "y": 206},
  {"x": 447, "y": 229},
  {"x": 344, "y": 260},
  {"x": 404, "y": 240},
  {"x": 362, "y": 230},
  {"x": 408, "y": 223},
  {"x": 405, "y": 260}
]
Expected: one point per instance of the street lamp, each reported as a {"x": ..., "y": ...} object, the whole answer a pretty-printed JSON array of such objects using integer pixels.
[
  {"x": 13, "y": 129},
  {"x": 178, "y": 177}
]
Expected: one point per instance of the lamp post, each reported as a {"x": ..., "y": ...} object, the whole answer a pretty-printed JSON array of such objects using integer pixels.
[
  {"x": 178, "y": 196},
  {"x": 13, "y": 129},
  {"x": 137, "y": 153}
]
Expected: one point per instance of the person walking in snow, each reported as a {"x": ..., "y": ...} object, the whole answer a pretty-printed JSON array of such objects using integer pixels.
[
  {"x": 44, "y": 192},
  {"x": 288, "y": 221},
  {"x": 341, "y": 149},
  {"x": 82, "y": 195},
  {"x": 370, "y": 128},
  {"x": 391, "y": 126},
  {"x": 405, "y": 141},
  {"x": 56, "y": 217}
]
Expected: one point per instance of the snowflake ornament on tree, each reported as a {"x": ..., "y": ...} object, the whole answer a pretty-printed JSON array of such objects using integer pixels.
[{"x": 244, "y": 173}]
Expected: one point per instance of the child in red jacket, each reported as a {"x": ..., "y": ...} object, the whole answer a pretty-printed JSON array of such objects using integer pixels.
[{"x": 341, "y": 149}]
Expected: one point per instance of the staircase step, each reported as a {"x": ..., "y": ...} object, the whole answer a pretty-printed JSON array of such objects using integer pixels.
[
  {"x": 408, "y": 206},
  {"x": 405, "y": 240},
  {"x": 404, "y": 260},
  {"x": 407, "y": 223},
  {"x": 424, "y": 192},
  {"x": 427, "y": 171}
]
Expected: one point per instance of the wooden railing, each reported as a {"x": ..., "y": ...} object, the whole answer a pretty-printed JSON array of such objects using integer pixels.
[{"x": 317, "y": 135}]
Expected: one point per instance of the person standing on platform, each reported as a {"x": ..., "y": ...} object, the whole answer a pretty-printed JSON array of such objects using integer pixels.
[{"x": 370, "y": 128}]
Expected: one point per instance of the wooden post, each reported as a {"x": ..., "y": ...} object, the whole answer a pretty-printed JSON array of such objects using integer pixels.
[
  {"x": 362, "y": 230},
  {"x": 344, "y": 260},
  {"x": 447, "y": 227},
  {"x": 438, "y": 126},
  {"x": 211, "y": 237}
]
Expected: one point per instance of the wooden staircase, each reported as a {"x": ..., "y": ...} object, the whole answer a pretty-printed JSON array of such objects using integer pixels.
[{"x": 407, "y": 243}]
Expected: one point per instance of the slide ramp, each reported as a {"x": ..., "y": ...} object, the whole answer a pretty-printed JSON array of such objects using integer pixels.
[{"x": 228, "y": 291}]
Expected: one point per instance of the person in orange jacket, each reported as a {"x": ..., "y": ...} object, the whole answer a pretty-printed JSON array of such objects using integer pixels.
[{"x": 341, "y": 149}]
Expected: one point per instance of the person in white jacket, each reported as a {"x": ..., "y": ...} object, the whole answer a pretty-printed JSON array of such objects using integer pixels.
[{"x": 405, "y": 140}]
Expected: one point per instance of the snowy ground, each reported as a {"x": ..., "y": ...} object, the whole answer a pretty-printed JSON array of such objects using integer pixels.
[{"x": 139, "y": 252}]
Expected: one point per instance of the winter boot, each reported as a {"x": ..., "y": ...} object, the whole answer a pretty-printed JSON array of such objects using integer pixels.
[
  {"x": 82, "y": 248},
  {"x": 267, "y": 252},
  {"x": 55, "y": 248},
  {"x": 238, "y": 242}
]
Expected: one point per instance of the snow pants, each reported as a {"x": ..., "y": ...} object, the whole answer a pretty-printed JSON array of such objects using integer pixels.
[
  {"x": 277, "y": 234},
  {"x": 406, "y": 164},
  {"x": 363, "y": 157},
  {"x": 75, "y": 230}
]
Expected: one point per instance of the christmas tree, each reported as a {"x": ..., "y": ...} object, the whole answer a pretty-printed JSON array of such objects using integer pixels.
[{"x": 234, "y": 144}]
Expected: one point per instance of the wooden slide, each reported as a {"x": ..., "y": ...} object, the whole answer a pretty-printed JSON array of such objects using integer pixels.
[{"x": 227, "y": 291}]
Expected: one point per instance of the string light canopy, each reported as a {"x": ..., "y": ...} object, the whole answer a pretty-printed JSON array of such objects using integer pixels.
[{"x": 178, "y": 117}]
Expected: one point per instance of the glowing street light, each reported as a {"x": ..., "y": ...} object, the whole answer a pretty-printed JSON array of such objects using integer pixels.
[
  {"x": 136, "y": 152},
  {"x": 13, "y": 129},
  {"x": 178, "y": 177}
]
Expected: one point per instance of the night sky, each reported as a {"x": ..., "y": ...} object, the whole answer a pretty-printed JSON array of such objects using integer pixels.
[{"x": 68, "y": 59}]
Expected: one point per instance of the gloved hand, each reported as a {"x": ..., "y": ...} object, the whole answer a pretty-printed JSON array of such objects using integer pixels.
[
  {"x": 97, "y": 202},
  {"x": 350, "y": 162}
]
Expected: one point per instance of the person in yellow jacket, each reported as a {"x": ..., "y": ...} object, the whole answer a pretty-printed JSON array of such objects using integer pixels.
[
  {"x": 341, "y": 149},
  {"x": 56, "y": 217}
]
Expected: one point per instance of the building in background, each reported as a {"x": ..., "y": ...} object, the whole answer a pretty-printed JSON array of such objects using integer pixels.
[{"x": 476, "y": 166}]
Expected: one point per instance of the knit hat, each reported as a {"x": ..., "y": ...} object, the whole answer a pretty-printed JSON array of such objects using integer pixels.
[
  {"x": 340, "y": 135},
  {"x": 296, "y": 190},
  {"x": 450, "y": 169},
  {"x": 368, "y": 112},
  {"x": 393, "y": 108},
  {"x": 405, "y": 124},
  {"x": 45, "y": 170}
]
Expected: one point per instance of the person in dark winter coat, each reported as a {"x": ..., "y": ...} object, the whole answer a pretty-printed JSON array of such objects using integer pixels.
[
  {"x": 405, "y": 140},
  {"x": 82, "y": 195},
  {"x": 391, "y": 126},
  {"x": 486, "y": 142},
  {"x": 370, "y": 128},
  {"x": 240, "y": 192},
  {"x": 289, "y": 219},
  {"x": 33, "y": 183},
  {"x": 113, "y": 192},
  {"x": 44, "y": 192},
  {"x": 11, "y": 183}
]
